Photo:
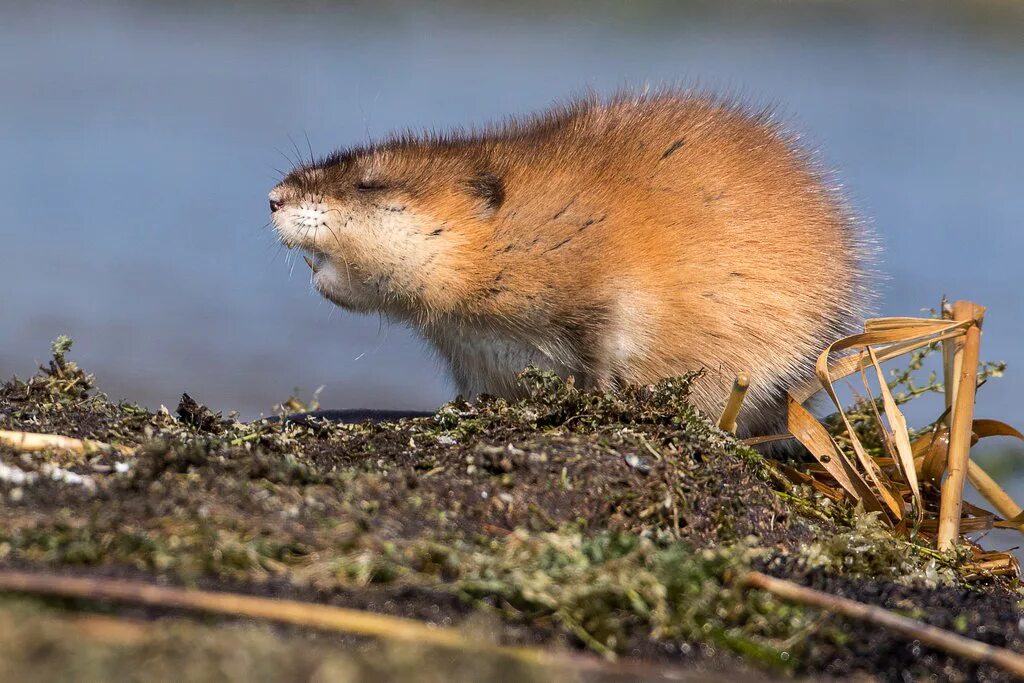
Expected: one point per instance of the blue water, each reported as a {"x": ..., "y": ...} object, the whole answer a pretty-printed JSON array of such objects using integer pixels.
[{"x": 138, "y": 142}]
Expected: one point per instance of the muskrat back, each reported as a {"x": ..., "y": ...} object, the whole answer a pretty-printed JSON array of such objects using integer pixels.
[{"x": 618, "y": 241}]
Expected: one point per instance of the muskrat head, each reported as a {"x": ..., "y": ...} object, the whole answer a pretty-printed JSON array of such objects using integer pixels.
[{"x": 389, "y": 229}]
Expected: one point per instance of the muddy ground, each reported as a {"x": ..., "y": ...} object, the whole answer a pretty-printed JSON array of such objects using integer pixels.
[{"x": 594, "y": 526}]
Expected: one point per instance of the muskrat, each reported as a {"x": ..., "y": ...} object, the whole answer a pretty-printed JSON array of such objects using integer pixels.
[{"x": 618, "y": 241}]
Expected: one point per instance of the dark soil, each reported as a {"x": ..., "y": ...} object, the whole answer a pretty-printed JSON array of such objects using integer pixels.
[{"x": 568, "y": 520}]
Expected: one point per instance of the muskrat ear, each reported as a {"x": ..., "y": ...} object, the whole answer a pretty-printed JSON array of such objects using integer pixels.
[{"x": 488, "y": 187}]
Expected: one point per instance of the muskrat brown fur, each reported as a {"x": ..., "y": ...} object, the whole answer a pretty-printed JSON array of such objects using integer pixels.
[{"x": 618, "y": 241}]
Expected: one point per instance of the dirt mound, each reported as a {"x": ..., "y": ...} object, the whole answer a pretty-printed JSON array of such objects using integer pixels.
[{"x": 569, "y": 520}]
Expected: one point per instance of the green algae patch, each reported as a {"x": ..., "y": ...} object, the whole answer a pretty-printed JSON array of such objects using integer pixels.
[{"x": 610, "y": 523}]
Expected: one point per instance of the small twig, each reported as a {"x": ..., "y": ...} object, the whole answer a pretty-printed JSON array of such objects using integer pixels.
[
  {"x": 310, "y": 615},
  {"x": 289, "y": 611},
  {"x": 31, "y": 442},
  {"x": 771, "y": 438},
  {"x": 324, "y": 617},
  {"x": 584, "y": 635},
  {"x": 650, "y": 449},
  {"x": 955, "y": 644},
  {"x": 727, "y": 422}
]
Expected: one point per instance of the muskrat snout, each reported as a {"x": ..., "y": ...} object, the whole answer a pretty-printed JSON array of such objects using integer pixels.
[{"x": 276, "y": 197}]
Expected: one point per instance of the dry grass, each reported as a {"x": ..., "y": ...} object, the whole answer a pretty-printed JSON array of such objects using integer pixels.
[{"x": 913, "y": 480}]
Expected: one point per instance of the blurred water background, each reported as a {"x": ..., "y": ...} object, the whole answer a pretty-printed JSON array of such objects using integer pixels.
[{"x": 138, "y": 142}]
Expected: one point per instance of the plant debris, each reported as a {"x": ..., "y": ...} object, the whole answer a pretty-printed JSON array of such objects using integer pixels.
[{"x": 882, "y": 464}]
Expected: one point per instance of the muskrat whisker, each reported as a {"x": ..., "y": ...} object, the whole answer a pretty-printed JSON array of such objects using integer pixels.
[
  {"x": 337, "y": 240},
  {"x": 280, "y": 250},
  {"x": 312, "y": 161},
  {"x": 291, "y": 162},
  {"x": 298, "y": 154},
  {"x": 348, "y": 273}
]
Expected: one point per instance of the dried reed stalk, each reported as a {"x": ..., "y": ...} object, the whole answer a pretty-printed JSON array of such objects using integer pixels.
[
  {"x": 310, "y": 615},
  {"x": 932, "y": 636},
  {"x": 903, "y": 335},
  {"x": 898, "y": 442},
  {"x": 949, "y": 373},
  {"x": 808, "y": 431},
  {"x": 727, "y": 422},
  {"x": 288, "y": 611},
  {"x": 993, "y": 492},
  {"x": 31, "y": 442},
  {"x": 965, "y": 365},
  {"x": 891, "y": 482},
  {"x": 986, "y": 486},
  {"x": 899, "y": 336}
]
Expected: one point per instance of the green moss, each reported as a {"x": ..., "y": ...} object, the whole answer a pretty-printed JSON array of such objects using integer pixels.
[
  {"x": 868, "y": 549},
  {"x": 606, "y": 587}
]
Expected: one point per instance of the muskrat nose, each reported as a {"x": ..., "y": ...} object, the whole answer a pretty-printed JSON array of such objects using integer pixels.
[{"x": 275, "y": 204}]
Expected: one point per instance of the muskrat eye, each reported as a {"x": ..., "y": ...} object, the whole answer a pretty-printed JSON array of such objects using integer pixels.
[{"x": 370, "y": 186}]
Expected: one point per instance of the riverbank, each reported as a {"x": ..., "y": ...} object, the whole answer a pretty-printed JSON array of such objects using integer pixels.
[{"x": 579, "y": 524}]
